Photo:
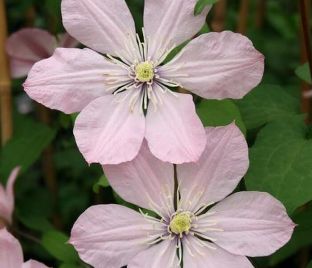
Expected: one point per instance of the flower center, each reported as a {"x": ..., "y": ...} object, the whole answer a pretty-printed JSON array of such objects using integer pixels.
[
  {"x": 144, "y": 71},
  {"x": 181, "y": 223}
]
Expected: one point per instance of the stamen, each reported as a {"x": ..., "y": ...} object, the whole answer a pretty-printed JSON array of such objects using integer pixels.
[
  {"x": 140, "y": 45},
  {"x": 203, "y": 208},
  {"x": 203, "y": 236},
  {"x": 165, "y": 54},
  {"x": 150, "y": 218},
  {"x": 204, "y": 244},
  {"x": 168, "y": 83},
  {"x": 145, "y": 44}
]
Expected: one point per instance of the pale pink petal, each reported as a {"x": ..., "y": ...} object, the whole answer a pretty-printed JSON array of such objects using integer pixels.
[
  {"x": 173, "y": 130},
  {"x": 111, "y": 235},
  {"x": 108, "y": 132},
  {"x": 33, "y": 264},
  {"x": 253, "y": 224},
  {"x": 219, "y": 170},
  {"x": 163, "y": 254},
  {"x": 148, "y": 176},
  {"x": 11, "y": 254},
  {"x": 7, "y": 197},
  {"x": 26, "y": 47},
  {"x": 5, "y": 211},
  {"x": 169, "y": 23},
  {"x": 104, "y": 25},
  {"x": 71, "y": 79},
  {"x": 65, "y": 40},
  {"x": 210, "y": 256},
  {"x": 217, "y": 66}
]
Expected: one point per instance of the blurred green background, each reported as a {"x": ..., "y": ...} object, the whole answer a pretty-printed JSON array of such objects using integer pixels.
[{"x": 56, "y": 185}]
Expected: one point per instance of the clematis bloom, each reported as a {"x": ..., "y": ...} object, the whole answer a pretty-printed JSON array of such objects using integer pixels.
[
  {"x": 189, "y": 226},
  {"x": 29, "y": 45},
  {"x": 11, "y": 254},
  {"x": 126, "y": 95},
  {"x": 7, "y": 199}
]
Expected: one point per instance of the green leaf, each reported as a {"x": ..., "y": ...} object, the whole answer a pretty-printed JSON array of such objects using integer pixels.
[
  {"x": 201, "y": 4},
  {"x": 301, "y": 237},
  {"x": 310, "y": 265},
  {"x": 26, "y": 146},
  {"x": 103, "y": 182},
  {"x": 266, "y": 103},
  {"x": 34, "y": 222},
  {"x": 56, "y": 243},
  {"x": 219, "y": 113},
  {"x": 280, "y": 162},
  {"x": 69, "y": 265},
  {"x": 303, "y": 72}
]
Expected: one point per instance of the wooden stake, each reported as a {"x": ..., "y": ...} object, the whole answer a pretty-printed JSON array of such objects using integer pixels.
[
  {"x": 5, "y": 81},
  {"x": 243, "y": 17}
]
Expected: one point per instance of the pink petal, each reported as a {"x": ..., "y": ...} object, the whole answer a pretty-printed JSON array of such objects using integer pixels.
[
  {"x": 159, "y": 255},
  {"x": 28, "y": 46},
  {"x": 219, "y": 170},
  {"x": 71, "y": 79},
  {"x": 253, "y": 224},
  {"x": 217, "y": 66},
  {"x": 107, "y": 132},
  {"x": 196, "y": 256},
  {"x": 110, "y": 235},
  {"x": 169, "y": 23},
  {"x": 173, "y": 130},
  {"x": 33, "y": 264},
  {"x": 65, "y": 40},
  {"x": 11, "y": 254},
  {"x": 148, "y": 176},
  {"x": 104, "y": 25},
  {"x": 7, "y": 197}
]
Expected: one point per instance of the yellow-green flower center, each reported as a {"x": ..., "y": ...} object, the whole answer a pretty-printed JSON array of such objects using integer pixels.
[
  {"x": 144, "y": 71},
  {"x": 181, "y": 223}
]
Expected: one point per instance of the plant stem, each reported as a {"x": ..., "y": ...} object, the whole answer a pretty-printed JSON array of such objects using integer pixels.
[
  {"x": 306, "y": 53},
  {"x": 48, "y": 169},
  {"x": 243, "y": 17},
  {"x": 218, "y": 21},
  {"x": 26, "y": 235},
  {"x": 306, "y": 31},
  {"x": 5, "y": 81},
  {"x": 260, "y": 13}
]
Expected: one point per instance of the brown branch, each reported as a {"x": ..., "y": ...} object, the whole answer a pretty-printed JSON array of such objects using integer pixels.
[
  {"x": 5, "y": 81},
  {"x": 243, "y": 17}
]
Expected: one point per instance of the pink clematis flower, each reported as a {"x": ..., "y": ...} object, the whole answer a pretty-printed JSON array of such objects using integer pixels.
[
  {"x": 189, "y": 227},
  {"x": 7, "y": 199},
  {"x": 11, "y": 254},
  {"x": 29, "y": 45},
  {"x": 126, "y": 95}
]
